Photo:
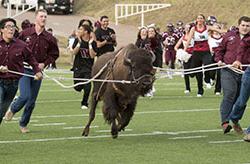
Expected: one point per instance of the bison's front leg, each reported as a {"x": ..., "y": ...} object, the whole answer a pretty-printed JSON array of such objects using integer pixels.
[
  {"x": 126, "y": 115},
  {"x": 94, "y": 102},
  {"x": 110, "y": 111}
]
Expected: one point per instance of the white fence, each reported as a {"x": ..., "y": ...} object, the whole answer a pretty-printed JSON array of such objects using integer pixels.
[
  {"x": 21, "y": 6},
  {"x": 127, "y": 10}
]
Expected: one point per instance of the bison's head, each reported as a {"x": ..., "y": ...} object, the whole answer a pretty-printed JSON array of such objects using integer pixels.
[{"x": 139, "y": 61}]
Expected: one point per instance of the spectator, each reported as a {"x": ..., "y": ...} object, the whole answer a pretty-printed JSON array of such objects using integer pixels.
[{"x": 105, "y": 36}]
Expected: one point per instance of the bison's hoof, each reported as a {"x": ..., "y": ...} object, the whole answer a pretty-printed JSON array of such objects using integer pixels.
[
  {"x": 85, "y": 132},
  {"x": 114, "y": 136}
]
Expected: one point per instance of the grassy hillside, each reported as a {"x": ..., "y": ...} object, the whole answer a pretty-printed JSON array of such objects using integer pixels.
[{"x": 226, "y": 10}]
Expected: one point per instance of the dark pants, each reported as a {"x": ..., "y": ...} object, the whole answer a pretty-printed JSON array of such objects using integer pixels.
[
  {"x": 86, "y": 87},
  {"x": 230, "y": 82},
  {"x": 186, "y": 76},
  {"x": 199, "y": 59},
  {"x": 29, "y": 89},
  {"x": 8, "y": 89}
]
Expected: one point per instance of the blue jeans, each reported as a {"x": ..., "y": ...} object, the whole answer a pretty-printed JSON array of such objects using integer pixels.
[
  {"x": 29, "y": 89},
  {"x": 241, "y": 102},
  {"x": 230, "y": 83},
  {"x": 8, "y": 89}
]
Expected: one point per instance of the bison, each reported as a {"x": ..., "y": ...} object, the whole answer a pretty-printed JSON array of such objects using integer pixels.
[{"x": 119, "y": 100}]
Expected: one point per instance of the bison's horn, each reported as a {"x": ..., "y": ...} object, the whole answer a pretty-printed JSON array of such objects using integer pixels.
[{"x": 127, "y": 61}]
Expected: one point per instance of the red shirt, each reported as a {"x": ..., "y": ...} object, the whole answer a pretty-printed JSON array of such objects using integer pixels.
[
  {"x": 12, "y": 55},
  {"x": 43, "y": 46},
  {"x": 243, "y": 53},
  {"x": 227, "y": 50}
]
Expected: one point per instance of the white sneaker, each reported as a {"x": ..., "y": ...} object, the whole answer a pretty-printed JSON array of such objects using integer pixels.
[
  {"x": 199, "y": 95},
  {"x": 186, "y": 92},
  {"x": 153, "y": 89},
  {"x": 150, "y": 94},
  {"x": 208, "y": 85},
  {"x": 217, "y": 93},
  {"x": 83, "y": 107}
]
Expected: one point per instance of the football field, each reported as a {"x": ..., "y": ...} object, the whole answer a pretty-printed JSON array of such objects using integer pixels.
[{"x": 170, "y": 128}]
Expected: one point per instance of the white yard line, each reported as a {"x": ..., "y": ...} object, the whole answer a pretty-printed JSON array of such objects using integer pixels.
[
  {"x": 17, "y": 121},
  {"x": 49, "y": 124},
  {"x": 141, "y": 98},
  {"x": 107, "y": 131},
  {"x": 104, "y": 136},
  {"x": 78, "y": 127},
  {"x": 137, "y": 113},
  {"x": 187, "y": 137},
  {"x": 224, "y": 142}
]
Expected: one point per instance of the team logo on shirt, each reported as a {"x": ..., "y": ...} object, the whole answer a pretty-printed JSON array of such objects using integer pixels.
[
  {"x": 84, "y": 53},
  {"x": 202, "y": 37}
]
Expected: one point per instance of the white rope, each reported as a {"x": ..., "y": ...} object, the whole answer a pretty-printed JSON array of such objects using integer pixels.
[
  {"x": 185, "y": 72},
  {"x": 182, "y": 70}
]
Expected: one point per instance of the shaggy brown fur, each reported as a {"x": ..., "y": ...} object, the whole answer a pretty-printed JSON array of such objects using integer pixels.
[{"x": 119, "y": 100}]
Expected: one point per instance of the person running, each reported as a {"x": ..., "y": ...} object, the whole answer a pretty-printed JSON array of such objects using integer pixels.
[
  {"x": 84, "y": 49},
  {"x": 105, "y": 37},
  {"x": 13, "y": 52},
  {"x": 45, "y": 49},
  {"x": 170, "y": 39},
  {"x": 186, "y": 64},
  {"x": 230, "y": 80},
  {"x": 201, "y": 52},
  {"x": 214, "y": 40},
  {"x": 243, "y": 57}
]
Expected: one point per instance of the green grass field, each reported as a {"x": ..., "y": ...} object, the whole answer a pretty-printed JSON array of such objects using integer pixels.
[{"x": 170, "y": 128}]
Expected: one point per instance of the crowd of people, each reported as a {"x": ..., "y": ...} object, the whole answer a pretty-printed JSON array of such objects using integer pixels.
[
  {"x": 206, "y": 42},
  {"x": 202, "y": 42}
]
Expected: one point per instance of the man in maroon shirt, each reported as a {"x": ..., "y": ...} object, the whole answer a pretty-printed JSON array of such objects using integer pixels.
[
  {"x": 243, "y": 57},
  {"x": 45, "y": 49},
  {"x": 230, "y": 80},
  {"x": 12, "y": 54}
]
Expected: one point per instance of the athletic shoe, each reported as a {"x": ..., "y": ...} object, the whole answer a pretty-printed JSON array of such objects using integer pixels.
[
  {"x": 187, "y": 92},
  {"x": 8, "y": 115},
  {"x": 247, "y": 137},
  {"x": 24, "y": 130},
  {"x": 199, "y": 95},
  {"x": 217, "y": 93},
  {"x": 237, "y": 128},
  {"x": 83, "y": 107},
  {"x": 226, "y": 128}
]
